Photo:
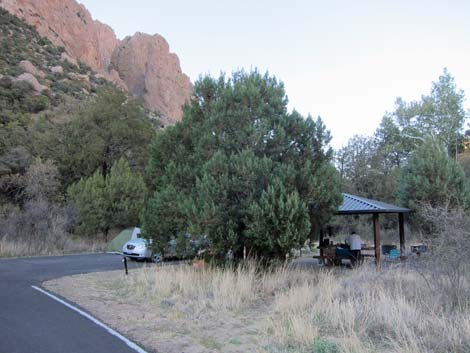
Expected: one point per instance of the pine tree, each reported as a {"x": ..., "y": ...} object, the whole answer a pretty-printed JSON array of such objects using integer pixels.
[
  {"x": 89, "y": 198},
  {"x": 125, "y": 193},
  {"x": 236, "y": 137},
  {"x": 105, "y": 203},
  {"x": 433, "y": 178}
]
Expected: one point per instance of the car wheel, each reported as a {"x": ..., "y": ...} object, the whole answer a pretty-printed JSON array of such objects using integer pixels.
[{"x": 157, "y": 258}]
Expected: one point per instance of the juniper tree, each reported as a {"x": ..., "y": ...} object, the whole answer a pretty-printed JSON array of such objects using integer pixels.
[
  {"x": 235, "y": 138},
  {"x": 433, "y": 178},
  {"x": 104, "y": 203}
]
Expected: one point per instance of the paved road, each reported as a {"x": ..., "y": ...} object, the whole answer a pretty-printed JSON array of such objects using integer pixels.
[{"x": 31, "y": 322}]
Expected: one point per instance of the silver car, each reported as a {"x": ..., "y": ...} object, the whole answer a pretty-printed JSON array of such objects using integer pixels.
[{"x": 140, "y": 249}]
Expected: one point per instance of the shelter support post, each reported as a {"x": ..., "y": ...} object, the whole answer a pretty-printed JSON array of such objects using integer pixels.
[
  {"x": 322, "y": 235},
  {"x": 376, "y": 238},
  {"x": 401, "y": 227}
]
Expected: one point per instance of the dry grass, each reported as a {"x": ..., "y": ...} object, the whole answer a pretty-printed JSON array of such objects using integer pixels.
[
  {"x": 13, "y": 248},
  {"x": 282, "y": 310}
]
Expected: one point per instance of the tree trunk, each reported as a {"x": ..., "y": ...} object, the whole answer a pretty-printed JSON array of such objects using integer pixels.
[{"x": 104, "y": 165}]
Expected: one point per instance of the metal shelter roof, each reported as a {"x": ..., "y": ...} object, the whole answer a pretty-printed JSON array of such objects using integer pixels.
[{"x": 359, "y": 205}]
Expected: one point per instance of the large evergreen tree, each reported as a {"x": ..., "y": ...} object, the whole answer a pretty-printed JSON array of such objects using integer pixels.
[
  {"x": 433, "y": 178},
  {"x": 210, "y": 171}
]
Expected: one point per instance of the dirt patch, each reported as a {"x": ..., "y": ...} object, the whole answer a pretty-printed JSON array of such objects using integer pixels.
[{"x": 161, "y": 324}]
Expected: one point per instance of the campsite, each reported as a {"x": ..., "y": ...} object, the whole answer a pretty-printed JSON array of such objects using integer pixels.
[{"x": 234, "y": 177}]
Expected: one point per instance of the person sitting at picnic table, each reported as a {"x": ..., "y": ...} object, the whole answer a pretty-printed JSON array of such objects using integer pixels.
[{"x": 354, "y": 242}]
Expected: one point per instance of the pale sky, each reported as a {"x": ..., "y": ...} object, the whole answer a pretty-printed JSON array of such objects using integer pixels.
[{"x": 346, "y": 61}]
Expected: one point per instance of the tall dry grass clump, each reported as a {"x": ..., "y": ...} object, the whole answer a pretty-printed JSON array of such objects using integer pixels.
[
  {"x": 363, "y": 310},
  {"x": 366, "y": 311},
  {"x": 228, "y": 289},
  {"x": 66, "y": 245}
]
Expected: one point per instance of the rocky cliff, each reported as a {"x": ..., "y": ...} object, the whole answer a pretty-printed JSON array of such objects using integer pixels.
[
  {"x": 145, "y": 64},
  {"x": 141, "y": 64}
]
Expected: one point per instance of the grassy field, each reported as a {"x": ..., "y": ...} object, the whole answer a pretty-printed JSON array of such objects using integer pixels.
[
  {"x": 14, "y": 248},
  {"x": 182, "y": 309}
]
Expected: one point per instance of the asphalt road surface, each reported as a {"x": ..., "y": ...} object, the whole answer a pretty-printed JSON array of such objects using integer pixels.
[{"x": 31, "y": 322}]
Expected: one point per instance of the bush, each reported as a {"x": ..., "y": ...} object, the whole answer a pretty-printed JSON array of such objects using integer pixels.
[
  {"x": 279, "y": 221},
  {"x": 446, "y": 267},
  {"x": 40, "y": 225},
  {"x": 35, "y": 104},
  {"x": 43, "y": 41},
  {"x": 66, "y": 86},
  {"x": 323, "y": 346},
  {"x": 42, "y": 181},
  {"x": 6, "y": 82},
  {"x": 20, "y": 89}
]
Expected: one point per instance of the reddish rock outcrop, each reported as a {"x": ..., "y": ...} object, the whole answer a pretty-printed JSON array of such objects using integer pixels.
[
  {"x": 68, "y": 24},
  {"x": 142, "y": 63},
  {"x": 145, "y": 64}
]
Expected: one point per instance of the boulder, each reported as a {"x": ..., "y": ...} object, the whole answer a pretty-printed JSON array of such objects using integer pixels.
[
  {"x": 32, "y": 81},
  {"x": 83, "y": 79},
  {"x": 57, "y": 69},
  {"x": 66, "y": 57},
  {"x": 28, "y": 67}
]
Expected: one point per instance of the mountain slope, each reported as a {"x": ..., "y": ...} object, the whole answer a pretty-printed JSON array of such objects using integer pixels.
[
  {"x": 66, "y": 23},
  {"x": 34, "y": 76}
]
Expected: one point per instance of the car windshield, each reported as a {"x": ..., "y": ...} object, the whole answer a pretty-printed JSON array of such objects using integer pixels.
[{"x": 141, "y": 240}]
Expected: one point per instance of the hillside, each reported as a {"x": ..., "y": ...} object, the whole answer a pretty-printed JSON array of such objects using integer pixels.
[
  {"x": 37, "y": 82},
  {"x": 42, "y": 91},
  {"x": 142, "y": 64},
  {"x": 35, "y": 74},
  {"x": 60, "y": 122}
]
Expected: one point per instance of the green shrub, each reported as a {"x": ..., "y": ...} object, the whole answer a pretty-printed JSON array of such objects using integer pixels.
[
  {"x": 20, "y": 89},
  {"x": 35, "y": 104},
  {"x": 104, "y": 203},
  {"x": 321, "y": 345}
]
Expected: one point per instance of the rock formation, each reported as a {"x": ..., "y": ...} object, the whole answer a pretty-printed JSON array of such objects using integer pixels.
[
  {"x": 145, "y": 64},
  {"x": 141, "y": 63},
  {"x": 28, "y": 67},
  {"x": 57, "y": 70},
  {"x": 33, "y": 82}
]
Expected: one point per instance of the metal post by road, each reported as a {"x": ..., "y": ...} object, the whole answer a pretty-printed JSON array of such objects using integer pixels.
[{"x": 124, "y": 260}]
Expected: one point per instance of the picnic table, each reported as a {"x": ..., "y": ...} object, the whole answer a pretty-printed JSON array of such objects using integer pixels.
[{"x": 333, "y": 254}]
